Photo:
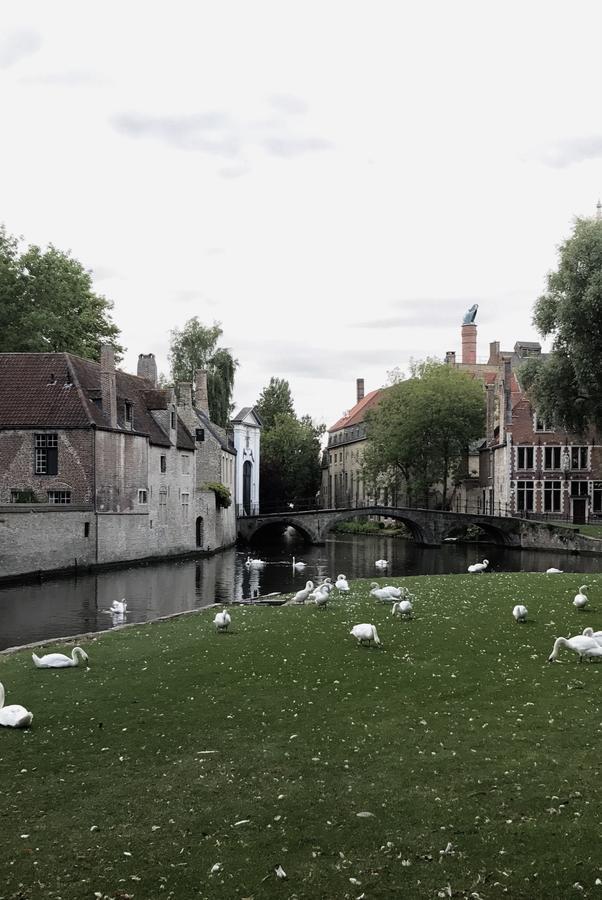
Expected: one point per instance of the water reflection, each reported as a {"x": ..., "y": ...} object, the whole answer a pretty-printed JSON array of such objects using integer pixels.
[{"x": 64, "y": 606}]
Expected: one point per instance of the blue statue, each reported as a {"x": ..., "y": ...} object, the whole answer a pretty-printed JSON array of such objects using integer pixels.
[{"x": 471, "y": 315}]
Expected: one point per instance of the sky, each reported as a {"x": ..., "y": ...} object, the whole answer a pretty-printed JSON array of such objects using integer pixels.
[{"x": 335, "y": 182}]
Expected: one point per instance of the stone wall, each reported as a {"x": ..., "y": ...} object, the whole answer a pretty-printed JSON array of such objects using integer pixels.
[
  {"x": 44, "y": 539},
  {"x": 121, "y": 471}
]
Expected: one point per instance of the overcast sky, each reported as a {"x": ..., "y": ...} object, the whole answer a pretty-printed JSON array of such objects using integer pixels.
[{"x": 336, "y": 182}]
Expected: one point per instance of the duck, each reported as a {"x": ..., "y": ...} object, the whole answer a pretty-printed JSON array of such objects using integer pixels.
[
  {"x": 298, "y": 565},
  {"x": 596, "y": 635},
  {"x": 302, "y": 596},
  {"x": 582, "y": 644},
  {"x": 341, "y": 583},
  {"x": 580, "y": 600},
  {"x": 254, "y": 563},
  {"x": 553, "y": 571},
  {"x": 402, "y": 608},
  {"x": 478, "y": 567},
  {"x": 59, "y": 660},
  {"x": 381, "y": 563},
  {"x": 520, "y": 613},
  {"x": 222, "y": 620},
  {"x": 13, "y": 716},
  {"x": 366, "y": 632},
  {"x": 386, "y": 594}
]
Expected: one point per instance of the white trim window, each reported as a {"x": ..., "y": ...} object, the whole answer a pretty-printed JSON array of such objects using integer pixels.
[
  {"x": 540, "y": 424},
  {"x": 552, "y": 457},
  {"x": 597, "y": 497},
  {"x": 61, "y": 498},
  {"x": 185, "y": 498},
  {"x": 552, "y": 496},
  {"x": 142, "y": 496},
  {"x": 525, "y": 457},
  {"x": 163, "y": 505},
  {"x": 524, "y": 496},
  {"x": 579, "y": 457},
  {"x": 185, "y": 458}
]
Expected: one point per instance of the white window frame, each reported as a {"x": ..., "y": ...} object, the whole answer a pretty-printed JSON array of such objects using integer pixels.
[
  {"x": 555, "y": 491},
  {"x": 142, "y": 496},
  {"x": 185, "y": 500},
  {"x": 59, "y": 498},
  {"x": 524, "y": 448},
  {"x": 557, "y": 451},
  {"x": 185, "y": 463}
]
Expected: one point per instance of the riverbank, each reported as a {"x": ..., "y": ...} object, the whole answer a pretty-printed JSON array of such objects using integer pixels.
[{"x": 284, "y": 743}]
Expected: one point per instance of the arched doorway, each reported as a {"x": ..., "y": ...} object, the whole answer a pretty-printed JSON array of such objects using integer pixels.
[
  {"x": 246, "y": 487},
  {"x": 199, "y": 531}
]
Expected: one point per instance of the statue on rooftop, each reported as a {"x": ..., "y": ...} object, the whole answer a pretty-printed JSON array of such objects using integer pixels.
[{"x": 471, "y": 315}]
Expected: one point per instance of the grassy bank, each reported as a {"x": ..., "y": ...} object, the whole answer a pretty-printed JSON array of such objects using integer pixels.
[
  {"x": 354, "y": 526},
  {"x": 453, "y": 756}
]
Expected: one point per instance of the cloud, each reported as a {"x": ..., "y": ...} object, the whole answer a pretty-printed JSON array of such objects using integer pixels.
[
  {"x": 287, "y": 103},
  {"x": 17, "y": 44},
  {"x": 441, "y": 312},
  {"x": 291, "y": 146},
  {"x": 103, "y": 273},
  {"x": 68, "y": 78},
  {"x": 192, "y": 295},
  {"x": 571, "y": 151},
  {"x": 294, "y": 359}
]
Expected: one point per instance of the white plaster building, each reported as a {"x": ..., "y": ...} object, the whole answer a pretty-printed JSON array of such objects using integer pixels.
[{"x": 246, "y": 428}]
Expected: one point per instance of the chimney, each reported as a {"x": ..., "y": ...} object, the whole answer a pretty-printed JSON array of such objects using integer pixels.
[
  {"x": 508, "y": 391},
  {"x": 359, "y": 389},
  {"x": 108, "y": 386},
  {"x": 450, "y": 358},
  {"x": 469, "y": 344},
  {"x": 494, "y": 353},
  {"x": 185, "y": 394},
  {"x": 201, "y": 397},
  {"x": 147, "y": 367},
  {"x": 490, "y": 401}
]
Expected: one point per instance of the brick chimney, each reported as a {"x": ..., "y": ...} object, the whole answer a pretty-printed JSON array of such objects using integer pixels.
[
  {"x": 489, "y": 428},
  {"x": 508, "y": 391},
  {"x": 450, "y": 358},
  {"x": 201, "y": 396},
  {"x": 494, "y": 353},
  {"x": 184, "y": 394},
  {"x": 108, "y": 386},
  {"x": 147, "y": 367},
  {"x": 469, "y": 343},
  {"x": 359, "y": 389}
]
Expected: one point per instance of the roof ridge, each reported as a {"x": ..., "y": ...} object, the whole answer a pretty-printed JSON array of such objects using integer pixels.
[{"x": 78, "y": 388}]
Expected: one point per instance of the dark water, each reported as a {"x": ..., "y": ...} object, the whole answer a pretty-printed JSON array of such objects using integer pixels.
[{"x": 65, "y": 606}]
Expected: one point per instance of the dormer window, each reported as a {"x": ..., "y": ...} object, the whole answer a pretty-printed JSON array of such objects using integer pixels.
[{"x": 128, "y": 413}]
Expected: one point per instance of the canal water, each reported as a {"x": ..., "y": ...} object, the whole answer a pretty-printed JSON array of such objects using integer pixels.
[{"x": 77, "y": 604}]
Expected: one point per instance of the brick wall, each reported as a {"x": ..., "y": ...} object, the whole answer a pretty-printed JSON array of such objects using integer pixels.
[{"x": 75, "y": 464}]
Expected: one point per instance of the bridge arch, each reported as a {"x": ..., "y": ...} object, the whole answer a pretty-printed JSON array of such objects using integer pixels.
[
  {"x": 492, "y": 531},
  {"x": 418, "y": 532},
  {"x": 303, "y": 529}
]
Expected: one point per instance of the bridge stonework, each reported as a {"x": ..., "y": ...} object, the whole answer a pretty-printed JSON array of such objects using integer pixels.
[{"x": 429, "y": 527}]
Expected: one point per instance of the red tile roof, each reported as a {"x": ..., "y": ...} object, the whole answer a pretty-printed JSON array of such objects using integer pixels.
[{"x": 358, "y": 413}]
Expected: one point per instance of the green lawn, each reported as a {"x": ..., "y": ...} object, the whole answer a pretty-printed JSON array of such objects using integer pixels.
[{"x": 475, "y": 762}]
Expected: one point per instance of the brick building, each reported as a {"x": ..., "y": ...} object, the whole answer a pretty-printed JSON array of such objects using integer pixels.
[{"x": 99, "y": 466}]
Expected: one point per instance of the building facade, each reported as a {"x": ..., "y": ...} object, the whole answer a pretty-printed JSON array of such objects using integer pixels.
[{"x": 246, "y": 436}]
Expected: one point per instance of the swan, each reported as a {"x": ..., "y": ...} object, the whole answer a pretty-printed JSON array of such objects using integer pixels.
[
  {"x": 322, "y": 590},
  {"x": 13, "y": 716},
  {"x": 580, "y": 600},
  {"x": 321, "y": 599},
  {"x": 381, "y": 563},
  {"x": 478, "y": 567},
  {"x": 596, "y": 635},
  {"x": 302, "y": 596},
  {"x": 386, "y": 594},
  {"x": 553, "y": 571},
  {"x": 366, "y": 632},
  {"x": 520, "y": 613},
  {"x": 254, "y": 563},
  {"x": 119, "y": 606},
  {"x": 59, "y": 660},
  {"x": 298, "y": 565},
  {"x": 403, "y": 608},
  {"x": 222, "y": 620},
  {"x": 581, "y": 644},
  {"x": 341, "y": 583}
]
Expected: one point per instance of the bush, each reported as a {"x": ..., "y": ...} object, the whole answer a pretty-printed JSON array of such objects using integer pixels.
[{"x": 223, "y": 498}]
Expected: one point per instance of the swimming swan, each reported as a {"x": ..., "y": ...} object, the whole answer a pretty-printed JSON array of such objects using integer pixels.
[
  {"x": 365, "y": 632},
  {"x": 13, "y": 716},
  {"x": 479, "y": 567},
  {"x": 59, "y": 660},
  {"x": 381, "y": 563},
  {"x": 298, "y": 565},
  {"x": 341, "y": 583},
  {"x": 520, "y": 613},
  {"x": 403, "y": 608},
  {"x": 222, "y": 620},
  {"x": 581, "y": 644},
  {"x": 118, "y": 608},
  {"x": 254, "y": 563},
  {"x": 580, "y": 600}
]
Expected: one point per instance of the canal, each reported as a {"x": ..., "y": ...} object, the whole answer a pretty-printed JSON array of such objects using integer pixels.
[{"x": 73, "y": 605}]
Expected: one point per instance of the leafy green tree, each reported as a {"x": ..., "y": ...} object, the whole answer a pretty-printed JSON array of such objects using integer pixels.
[
  {"x": 275, "y": 400},
  {"x": 290, "y": 461},
  {"x": 422, "y": 427},
  {"x": 47, "y": 303},
  {"x": 566, "y": 387},
  {"x": 195, "y": 347}
]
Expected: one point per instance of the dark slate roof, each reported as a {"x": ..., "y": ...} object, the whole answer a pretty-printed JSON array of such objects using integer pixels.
[
  {"x": 240, "y": 417},
  {"x": 214, "y": 430}
]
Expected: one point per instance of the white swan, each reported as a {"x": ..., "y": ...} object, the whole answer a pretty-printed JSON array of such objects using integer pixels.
[
  {"x": 222, "y": 620},
  {"x": 596, "y": 635},
  {"x": 341, "y": 583},
  {"x": 321, "y": 599},
  {"x": 322, "y": 590},
  {"x": 381, "y": 563},
  {"x": 386, "y": 594},
  {"x": 254, "y": 563},
  {"x": 119, "y": 606},
  {"x": 403, "y": 608},
  {"x": 580, "y": 600},
  {"x": 365, "y": 632},
  {"x": 59, "y": 660},
  {"x": 553, "y": 571},
  {"x": 298, "y": 565},
  {"x": 478, "y": 567},
  {"x": 582, "y": 644},
  {"x": 302, "y": 596},
  {"x": 13, "y": 716},
  {"x": 520, "y": 612}
]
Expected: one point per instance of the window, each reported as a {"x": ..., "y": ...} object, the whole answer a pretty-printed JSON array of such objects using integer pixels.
[
  {"x": 597, "y": 496},
  {"x": 185, "y": 504},
  {"x": 46, "y": 454},
  {"x": 86, "y": 529},
  {"x": 524, "y": 496},
  {"x": 578, "y": 457},
  {"x": 200, "y": 434},
  {"x": 60, "y": 497},
  {"x": 541, "y": 424},
  {"x": 552, "y": 497},
  {"x": 525, "y": 457},
  {"x": 163, "y": 463},
  {"x": 172, "y": 419},
  {"x": 142, "y": 495},
  {"x": 128, "y": 413},
  {"x": 185, "y": 464},
  {"x": 551, "y": 457},
  {"x": 579, "y": 489},
  {"x": 163, "y": 505},
  {"x": 25, "y": 496}
]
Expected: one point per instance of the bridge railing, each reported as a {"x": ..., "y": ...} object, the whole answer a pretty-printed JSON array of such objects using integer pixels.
[{"x": 308, "y": 504}]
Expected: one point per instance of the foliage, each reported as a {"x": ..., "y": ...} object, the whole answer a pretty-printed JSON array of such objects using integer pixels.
[
  {"x": 275, "y": 400},
  {"x": 290, "y": 461},
  {"x": 353, "y": 526},
  {"x": 223, "y": 497},
  {"x": 47, "y": 303},
  {"x": 566, "y": 387},
  {"x": 195, "y": 347},
  {"x": 422, "y": 427}
]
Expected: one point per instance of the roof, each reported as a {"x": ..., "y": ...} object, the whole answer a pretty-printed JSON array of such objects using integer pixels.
[
  {"x": 357, "y": 413},
  {"x": 242, "y": 417},
  {"x": 214, "y": 430}
]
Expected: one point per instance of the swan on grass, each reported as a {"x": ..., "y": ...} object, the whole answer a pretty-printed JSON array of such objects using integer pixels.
[
  {"x": 222, "y": 620},
  {"x": 580, "y": 600},
  {"x": 341, "y": 583},
  {"x": 553, "y": 571},
  {"x": 59, "y": 660},
  {"x": 478, "y": 567},
  {"x": 302, "y": 596},
  {"x": 582, "y": 644},
  {"x": 365, "y": 633},
  {"x": 13, "y": 716},
  {"x": 520, "y": 612},
  {"x": 596, "y": 635},
  {"x": 386, "y": 594},
  {"x": 321, "y": 599},
  {"x": 402, "y": 608},
  {"x": 298, "y": 565},
  {"x": 381, "y": 563}
]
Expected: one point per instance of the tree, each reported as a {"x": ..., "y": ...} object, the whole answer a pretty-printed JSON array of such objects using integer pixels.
[
  {"x": 47, "y": 303},
  {"x": 566, "y": 387},
  {"x": 422, "y": 427},
  {"x": 195, "y": 347},
  {"x": 275, "y": 400}
]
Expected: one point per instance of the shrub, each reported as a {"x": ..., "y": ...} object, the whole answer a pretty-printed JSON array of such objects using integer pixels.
[{"x": 223, "y": 498}]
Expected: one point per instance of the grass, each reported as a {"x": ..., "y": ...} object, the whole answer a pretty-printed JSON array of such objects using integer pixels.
[
  {"x": 475, "y": 762},
  {"x": 587, "y": 529},
  {"x": 367, "y": 527}
]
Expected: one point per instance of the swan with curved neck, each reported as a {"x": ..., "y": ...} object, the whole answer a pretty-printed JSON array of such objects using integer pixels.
[
  {"x": 403, "y": 608},
  {"x": 341, "y": 583},
  {"x": 386, "y": 594},
  {"x": 13, "y": 716},
  {"x": 365, "y": 633},
  {"x": 596, "y": 635},
  {"x": 478, "y": 567},
  {"x": 222, "y": 620},
  {"x": 302, "y": 596},
  {"x": 59, "y": 660},
  {"x": 582, "y": 644},
  {"x": 298, "y": 565},
  {"x": 580, "y": 600}
]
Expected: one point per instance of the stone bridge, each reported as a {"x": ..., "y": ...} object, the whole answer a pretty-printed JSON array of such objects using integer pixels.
[{"x": 429, "y": 527}]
